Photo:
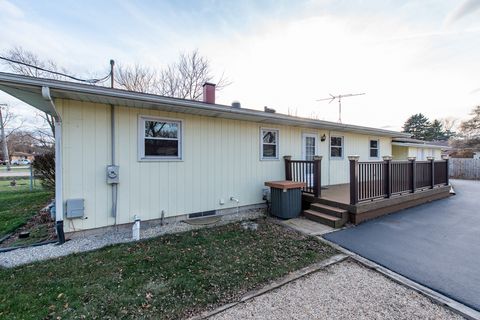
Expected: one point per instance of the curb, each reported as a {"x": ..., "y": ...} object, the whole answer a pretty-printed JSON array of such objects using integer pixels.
[
  {"x": 295, "y": 275},
  {"x": 435, "y": 296}
]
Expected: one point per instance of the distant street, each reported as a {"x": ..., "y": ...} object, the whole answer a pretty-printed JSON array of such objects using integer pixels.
[{"x": 15, "y": 172}]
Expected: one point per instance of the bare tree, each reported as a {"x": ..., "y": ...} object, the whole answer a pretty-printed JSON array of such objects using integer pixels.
[
  {"x": 137, "y": 78},
  {"x": 28, "y": 57},
  {"x": 10, "y": 121},
  {"x": 471, "y": 127},
  {"x": 43, "y": 139},
  {"x": 182, "y": 79},
  {"x": 8, "y": 116},
  {"x": 468, "y": 139},
  {"x": 450, "y": 124}
]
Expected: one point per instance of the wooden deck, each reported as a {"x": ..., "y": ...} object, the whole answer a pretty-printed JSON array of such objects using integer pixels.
[
  {"x": 375, "y": 188},
  {"x": 338, "y": 196},
  {"x": 337, "y": 193}
]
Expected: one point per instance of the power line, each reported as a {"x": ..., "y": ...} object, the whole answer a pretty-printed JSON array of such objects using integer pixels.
[{"x": 92, "y": 81}]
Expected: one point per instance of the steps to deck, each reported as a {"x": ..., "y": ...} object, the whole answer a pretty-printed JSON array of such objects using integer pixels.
[
  {"x": 328, "y": 215},
  {"x": 334, "y": 211}
]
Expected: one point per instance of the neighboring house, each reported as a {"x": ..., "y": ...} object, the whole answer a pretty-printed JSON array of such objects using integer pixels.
[
  {"x": 179, "y": 158},
  {"x": 16, "y": 156},
  {"x": 402, "y": 148}
]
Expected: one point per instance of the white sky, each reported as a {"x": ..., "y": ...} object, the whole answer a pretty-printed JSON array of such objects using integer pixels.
[{"x": 407, "y": 56}]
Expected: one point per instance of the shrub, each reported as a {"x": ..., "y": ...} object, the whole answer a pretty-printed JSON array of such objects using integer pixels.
[{"x": 44, "y": 168}]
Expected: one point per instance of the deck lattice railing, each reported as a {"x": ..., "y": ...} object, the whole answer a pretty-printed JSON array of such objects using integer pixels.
[
  {"x": 383, "y": 179},
  {"x": 305, "y": 171}
]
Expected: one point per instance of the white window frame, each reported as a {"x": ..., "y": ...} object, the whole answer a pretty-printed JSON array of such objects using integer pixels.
[
  {"x": 141, "y": 139},
  {"x": 304, "y": 136},
  {"x": 277, "y": 144},
  {"x": 370, "y": 148},
  {"x": 330, "y": 147}
]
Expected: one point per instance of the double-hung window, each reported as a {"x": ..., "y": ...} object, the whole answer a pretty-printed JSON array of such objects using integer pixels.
[
  {"x": 160, "y": 139},
  {"x": 336, "y": 147},
  {"x": 374, "y": 148},
  {"x": 269, "y": 144}
]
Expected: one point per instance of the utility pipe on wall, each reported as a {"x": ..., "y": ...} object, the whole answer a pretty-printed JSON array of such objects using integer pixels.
[{"x": 112, "y": 128}]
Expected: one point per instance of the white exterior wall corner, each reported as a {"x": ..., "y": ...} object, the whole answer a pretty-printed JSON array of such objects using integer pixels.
[{"x": 221, "y": 159}]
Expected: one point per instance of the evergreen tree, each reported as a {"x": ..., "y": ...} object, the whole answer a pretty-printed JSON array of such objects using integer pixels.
[
  {"x": 436, "y": 132},
  {"x": 417, "y": 125}
]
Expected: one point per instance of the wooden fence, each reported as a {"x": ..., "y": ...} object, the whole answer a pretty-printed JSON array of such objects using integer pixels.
[
  {"x": 383, "y": 179},
  {"x": 465, "y": 168}
]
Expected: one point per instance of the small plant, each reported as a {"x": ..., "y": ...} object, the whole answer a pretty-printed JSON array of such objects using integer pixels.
[{"x": 44, "y": 167}]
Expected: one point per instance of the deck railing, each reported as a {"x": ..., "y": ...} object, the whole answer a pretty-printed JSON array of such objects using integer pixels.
[
  {"x": 383, "y": 179},
  {"x": 305, "y": 171}
]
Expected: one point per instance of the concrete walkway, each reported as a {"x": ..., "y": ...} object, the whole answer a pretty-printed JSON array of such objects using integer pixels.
[
  {"x": 306, "y": 226},
  {"x": 435, "y": 244}
]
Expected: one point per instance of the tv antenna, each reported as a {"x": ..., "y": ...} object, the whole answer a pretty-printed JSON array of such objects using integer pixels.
[{"x": 339, "y": 98}]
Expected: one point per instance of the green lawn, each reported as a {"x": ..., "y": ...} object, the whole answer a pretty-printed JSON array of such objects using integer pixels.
[
  {"x": 169, "y": 277},
  {"x": 16, "y": 207},
  {"x": 23, "y": 184}
]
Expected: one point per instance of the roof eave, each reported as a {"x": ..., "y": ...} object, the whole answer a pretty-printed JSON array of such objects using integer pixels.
[{"x": 10, "y": 83}]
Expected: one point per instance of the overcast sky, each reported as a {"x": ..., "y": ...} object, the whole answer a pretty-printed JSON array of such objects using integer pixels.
[{"x": 407, "y": 56}]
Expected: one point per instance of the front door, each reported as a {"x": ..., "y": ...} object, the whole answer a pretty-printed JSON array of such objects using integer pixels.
[{"x": 309, "y": 146}]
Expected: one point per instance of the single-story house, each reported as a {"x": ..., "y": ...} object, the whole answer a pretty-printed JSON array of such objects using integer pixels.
[
  {"x": 403, "y": 148},
  {"x": 123, "y": 154},
  {"x": 22, "y": 156}
]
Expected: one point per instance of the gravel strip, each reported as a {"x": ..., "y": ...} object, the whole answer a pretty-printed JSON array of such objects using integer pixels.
[
  {"x": 345, "y": 290},
  {"x": 92, "y": 242}
]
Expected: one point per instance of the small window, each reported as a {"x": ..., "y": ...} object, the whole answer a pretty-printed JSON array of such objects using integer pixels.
[
  {"x": 336, "y": 147},
  {"x": 269, "y": 144},
  {"x": 160, "y": 139},
  {"x": 374, "y": 148}
]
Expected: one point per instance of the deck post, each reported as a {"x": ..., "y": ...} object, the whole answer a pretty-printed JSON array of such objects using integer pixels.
[
  {"x": 432, "y": 168},
  {"x": 288, "y": 167},
  {"x": 317, "y": 176},
  {"x": 353, "y": 179},
  {"x": 413, "y": 174},
  {"x": 447, "y": 168},
  {"x": 388, "y": 175}
]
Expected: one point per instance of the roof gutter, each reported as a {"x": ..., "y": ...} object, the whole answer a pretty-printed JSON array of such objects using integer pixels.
[
  {"x": 58, "y": 167},
  {"x": 419, "y": 145}
]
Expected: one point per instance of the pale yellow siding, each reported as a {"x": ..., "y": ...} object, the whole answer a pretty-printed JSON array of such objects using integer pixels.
[
  {"x": 437, "y": 153},
  {"x": 354, "y": 144},
  {"x": 421, "y": 153},
  {"x": 221, "y": 158},
  {"x": 399, "y": 153}
]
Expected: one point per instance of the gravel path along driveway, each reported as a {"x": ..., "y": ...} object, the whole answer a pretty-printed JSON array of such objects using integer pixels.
[{"x": 344, "y": 290}]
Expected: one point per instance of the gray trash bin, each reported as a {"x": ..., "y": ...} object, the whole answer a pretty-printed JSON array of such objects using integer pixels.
[{"x": 286, "y": 198}]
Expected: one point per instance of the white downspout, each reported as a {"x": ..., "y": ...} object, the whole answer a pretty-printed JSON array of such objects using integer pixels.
[{"x": 58, "y": 168}]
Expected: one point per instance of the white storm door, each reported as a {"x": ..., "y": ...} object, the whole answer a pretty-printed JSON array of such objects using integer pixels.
[{"x": 309, "y": 146}]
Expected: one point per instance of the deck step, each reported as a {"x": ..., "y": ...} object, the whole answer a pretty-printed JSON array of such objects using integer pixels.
[
  {"x": 333, "y": 211},
  {"x": 334, "y": 222}
]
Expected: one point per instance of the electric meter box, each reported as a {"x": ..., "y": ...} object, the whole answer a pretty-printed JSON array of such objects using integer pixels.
[{"x": 112, "y": 174}]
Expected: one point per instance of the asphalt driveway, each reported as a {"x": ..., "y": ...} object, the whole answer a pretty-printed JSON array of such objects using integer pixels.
[{"x": 435, "y": 244}]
